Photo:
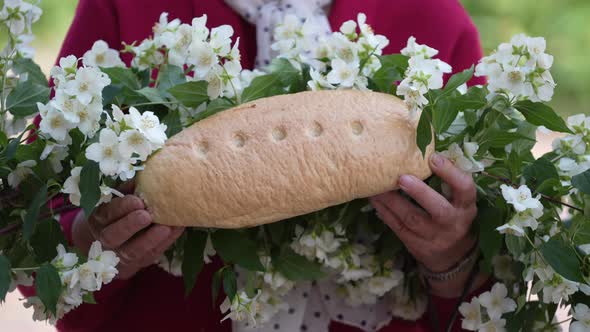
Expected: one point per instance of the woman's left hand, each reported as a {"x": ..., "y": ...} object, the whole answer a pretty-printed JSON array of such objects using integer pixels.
[{"x": 438, "y": 235}]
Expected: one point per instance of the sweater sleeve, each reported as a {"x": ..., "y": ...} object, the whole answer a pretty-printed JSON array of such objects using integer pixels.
[{"x": 467, "y": 51}]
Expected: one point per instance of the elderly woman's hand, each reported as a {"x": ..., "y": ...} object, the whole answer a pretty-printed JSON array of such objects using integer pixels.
[
  {"x": 125, "y": 226},
  {"x": 437, "y": 234}
]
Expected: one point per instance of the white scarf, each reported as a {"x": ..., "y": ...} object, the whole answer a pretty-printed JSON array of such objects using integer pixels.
[{"x": 266, "y": 14}]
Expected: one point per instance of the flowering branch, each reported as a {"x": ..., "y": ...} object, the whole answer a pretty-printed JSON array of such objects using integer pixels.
[
  {"x": 14, "y": 227},
  {"x": 545, "y": 197}
]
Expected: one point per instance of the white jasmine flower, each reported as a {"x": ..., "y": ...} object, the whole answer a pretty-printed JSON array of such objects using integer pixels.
[
  {"x": 496, "y": 301},
  {"x": 318, "y": 81},
  {"x": 100, "y": 55},
  {"x": 178, "y": 43},
  {"x": 413, "y": 49},
  {"x": 493, "y": 325},
  {"x": 21, "y": 172},
  {"x": 221, "y": 40},
  {"x": 520, "y": 198},
  {"x": 14, "y": 125},
  {"x": 87, "y": 84},
  {"x": 241, "y": 308},
  {"x": 581, "y": 316},
  {"x": 511, "y": 228},
  {"x": 173, "y": 267},
  {"x": 463, "y": 158},
  {"x": 65, "y": 71},
  {"x": 209, "y": 250},
  {"x": 147, "y": 54},
  {"x": 200, "y": 30},
  {"x": 55, "y": 124},
  {"x": 163, "y": 25},
  {"x": 558, "y": 289},
  {"x": 203, "y": 57},
  {"x": 64, "y": 260},
  {"x": 71, "y": 186},
  {"x": 380, "y": 285},
  {"x": 133, "y": 141},
  {"x": 471, "y": 312},
  {"x": 106, "y": 193},
  {"x": 149, "y": 125},
  {"x": 106, "y": 152},
  {"x": 344, "y": 74},
  {"x": 27, "y": 14},
  {"x": 406, "y": 307},
  {"x": 348, "y": 28},
  {"x": 128, "y": 169}
]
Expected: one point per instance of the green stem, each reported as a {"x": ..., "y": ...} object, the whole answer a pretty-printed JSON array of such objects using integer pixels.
[
  {"x": 151, "y": 103},
  {"x": 24, "y": 269}
]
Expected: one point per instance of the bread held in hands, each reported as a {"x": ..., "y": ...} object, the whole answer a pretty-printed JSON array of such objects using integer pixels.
[{"x": 280, "y": 157}]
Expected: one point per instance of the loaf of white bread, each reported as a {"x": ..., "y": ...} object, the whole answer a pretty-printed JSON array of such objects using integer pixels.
[{"x": 281, "y": 157}]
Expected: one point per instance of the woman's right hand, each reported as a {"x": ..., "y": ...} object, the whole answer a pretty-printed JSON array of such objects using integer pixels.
[{"x": 125, "y": 226}]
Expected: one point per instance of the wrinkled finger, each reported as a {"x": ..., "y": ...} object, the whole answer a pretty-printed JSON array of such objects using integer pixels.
[
  {"x": 434, "y": 203},
  {"x": 409, "y": 238},
  {"x": 116, "y": 209},
  {"x": 155, "y": 254},
  {"x": 119, "y": 232},
  {"x": 409, "y": 214},
  {"x": 461, "y": 183},
  {"x": 133, "y": 251}
]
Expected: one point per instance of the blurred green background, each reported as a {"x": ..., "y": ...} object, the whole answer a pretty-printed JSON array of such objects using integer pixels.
[{"x": 564, "y": 23}]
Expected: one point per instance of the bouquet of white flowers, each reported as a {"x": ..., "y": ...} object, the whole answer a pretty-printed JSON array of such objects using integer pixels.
[{"x": 105, "y": 120}]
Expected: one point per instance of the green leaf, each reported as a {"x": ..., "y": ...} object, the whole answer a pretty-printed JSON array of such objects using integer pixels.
[
  {"x": 3, "y": 139},
  {"x": 173, "y": 123},
  {"x": 582, "y": 182},
  {"x": 230, "y": 284},
  {"x": 490, "y": 240},
  {"x": 497, "y": 138},
  {"x": 5, "y": 277},
  {"x": 283, "y": 68},
  {"x": 47, "y": 236},
  {"x": 124, "y": 76},
  {"x": 474, "y": 99},
  {"x": 562, "y": 258},
  {"x": 190, "y": 94},
  {"x": 12, "y": 147},
  {"x": 398, "y": 61},
  {"x": 424, "y": 132},
  {"x": 515, "y": 244},
  {"x": 48, "y": 286},
  {"x": 236, "y": 247},
  {"x": 22, "y": 100},
  {"x": 541, "y": 114},
  {"x": 261, "y": 87},
  {"x": 192, "y": 263},
  {"x": 456, "y": 81},
  {"x": 216, "y": 106},
  {"x": 111, "y": 94},
  {"x": 170, "y": 76},
  {"x": 443, "y": 115},
  {"x": 89, "y": 298},
  {"x": 581, "y": 231},
  {"x": 296, "y": 267},
  {"x": 33, "y": 212},
  {"x": 29, "y": 67},
  {"x": 539, "y": 171},
  {"x": 89, "y": 186},
  {"x": 151, "y": 94},
  {"x": 215, "y": 285}
]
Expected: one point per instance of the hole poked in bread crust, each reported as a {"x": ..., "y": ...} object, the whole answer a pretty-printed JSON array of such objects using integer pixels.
[
  {"x": 239, "y": 139},
  {"x": 202, "y": 148},
  {"x": 279, "y": 134},
  {"x": 316, "y": 129},
  {"x": 357, "y": 127}
]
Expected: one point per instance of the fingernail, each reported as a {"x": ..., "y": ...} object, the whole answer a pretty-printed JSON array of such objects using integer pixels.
[
  {"x": 437, "y": 160},
  {"x": 406, "y": 181}
]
